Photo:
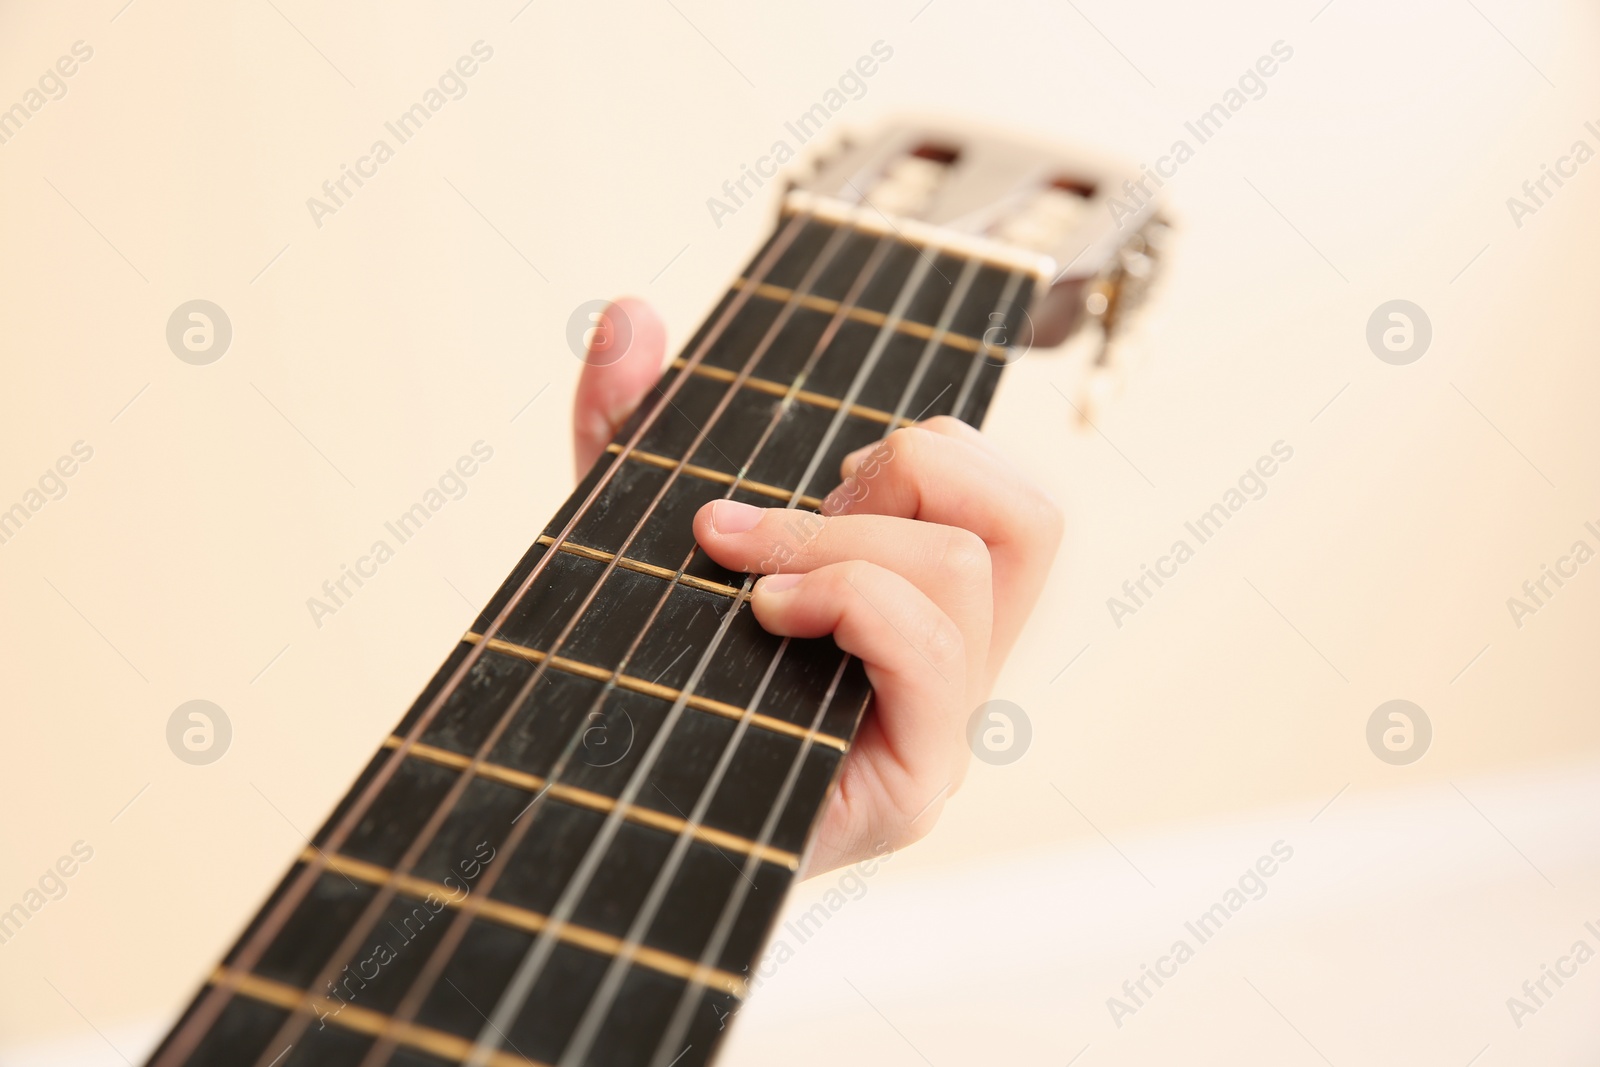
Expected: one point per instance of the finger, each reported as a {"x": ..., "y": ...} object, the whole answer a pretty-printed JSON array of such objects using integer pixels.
[
  {"x": 913, "y": 654},
  {"x": 941, "y": 475},
  {"x": 623, "y": 361},
  {"x": 944, "y": 425},
  {"x": 948, "y": 564},
  {"x": 870, "y": 810}
]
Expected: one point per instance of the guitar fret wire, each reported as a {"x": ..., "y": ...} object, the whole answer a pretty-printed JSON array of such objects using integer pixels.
[
  {"x": 516, "y": 993},
  {"x": 963, "y": 286},
  {"x": 530, "y": 921},
  {"x": 360, "y": 1020},
  {"x": 585, "y": 798},
  {"x": 1007, "y": 298},
  {"x": 868, "y": 364},
  {"x": 919, "y": 330},
  {"x": 709, "y": 475},
  {"x": 381, "y": 1052},
  {"x": 805, "y": 396},
  {"x": 189, "y": 1033},
  {"x": 455, "y": 681},
  {"x": 514, "y": 996},
  {"x": 655, "y": 689},
  {"x": 679, "y": 1024},
  {"x": 600, "y": 1003},
  {"x": 638, "y": 566}
]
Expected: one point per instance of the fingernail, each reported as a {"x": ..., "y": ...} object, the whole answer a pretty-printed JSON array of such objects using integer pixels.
[
  {"x": 732, "y": 517},
  {"x": 779, "y": 583}
]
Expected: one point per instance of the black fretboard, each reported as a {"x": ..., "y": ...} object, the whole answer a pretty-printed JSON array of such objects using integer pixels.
[{"x": 572, "y": 848}]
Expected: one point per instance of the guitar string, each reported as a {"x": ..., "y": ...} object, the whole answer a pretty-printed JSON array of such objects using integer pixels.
[
  {"x": 441, "y": 954},
  {"x": 981, "y": 357},
  {"x": 719, "y": 328},
  {"x": 688, "y": 1000},
  {"x": 844, "y": 661},
  {"x": 964, "y": 281},
  {"x": 183, "y": 1040},
  {"x": 827, "y": 700},
  {"x": 517, "y": 991},
  {"x": 600, "y": 1003},
  {"x": 372, "y": 913}
]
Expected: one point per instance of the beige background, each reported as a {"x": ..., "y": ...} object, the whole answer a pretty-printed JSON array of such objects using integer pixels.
[{"x": 370, "y": 352}]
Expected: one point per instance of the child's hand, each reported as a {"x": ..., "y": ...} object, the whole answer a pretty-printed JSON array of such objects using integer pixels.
[{"x": 925, "y": 565}]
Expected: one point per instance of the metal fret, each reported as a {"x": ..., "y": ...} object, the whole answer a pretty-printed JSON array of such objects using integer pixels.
[
  {"x": 533, "y": 783},
  {"x": 969, "y": 384},
  {"x": 921, "y": 331},
  {"x": 466, "y": 780},
  {"x": 777, "y": 492},
  {"x": 638, "y": 566},
  {"x": 804, "y": 396},
  {"x": 530, "y": 921},
  {"x": 589, "y": 875},
  {"x": 360, "y": 1020},
  {"x": 212, "y": 1004},
  {"x": 663, "y": 692}
]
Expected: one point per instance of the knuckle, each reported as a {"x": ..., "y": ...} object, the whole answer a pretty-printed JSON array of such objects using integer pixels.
[
  {"x": 965, "y": 555},
  {"x": 875, "y": 458},
  {"x": 943, "y": 640},
  {"x": 859, "y": 573},
  {"x": 789, "y": 539},
  {"x": 895, "y": 465},
  {"x": 843, "y": 583},
  {"x": 905, "y": 446}
]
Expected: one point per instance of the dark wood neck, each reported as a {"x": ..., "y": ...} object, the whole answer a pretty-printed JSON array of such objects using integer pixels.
[{"x": 572, "y": 848}]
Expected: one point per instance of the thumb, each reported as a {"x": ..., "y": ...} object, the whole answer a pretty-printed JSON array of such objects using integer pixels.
[{"x": 623, "y": 361}]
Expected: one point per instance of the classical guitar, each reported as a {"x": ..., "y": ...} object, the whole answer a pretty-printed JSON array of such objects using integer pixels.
[{"x": 572, "y": 848}]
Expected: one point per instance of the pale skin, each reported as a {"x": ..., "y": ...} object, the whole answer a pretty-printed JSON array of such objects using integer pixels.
[{"x": 925, "y": 565}]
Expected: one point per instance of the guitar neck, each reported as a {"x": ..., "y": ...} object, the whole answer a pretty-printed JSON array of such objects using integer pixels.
[{"x": 573, "y": 847}]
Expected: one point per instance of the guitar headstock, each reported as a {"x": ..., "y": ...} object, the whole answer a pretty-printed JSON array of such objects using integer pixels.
[{"x": 1089, "y": 229}]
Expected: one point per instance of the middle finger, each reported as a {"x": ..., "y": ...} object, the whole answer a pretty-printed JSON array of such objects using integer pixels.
[{"x": 947, "y": 563}]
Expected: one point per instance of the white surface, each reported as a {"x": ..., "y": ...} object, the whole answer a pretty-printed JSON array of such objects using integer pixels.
[{"x": 1394, "y": 935}]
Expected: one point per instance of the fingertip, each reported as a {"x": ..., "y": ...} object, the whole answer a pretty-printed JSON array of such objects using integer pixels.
[
  {"x": 773, "y": 601},
  {"x": 705, "y": 526},
  {"x": 622, "y": 360},
  {"x": 647, "y": 332},
  {"x": 774, "y": 584},
  {"x": 726, "y": 518},
  {"x": 729, "y": 517},
  {"x": 628, "y": 333}
]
